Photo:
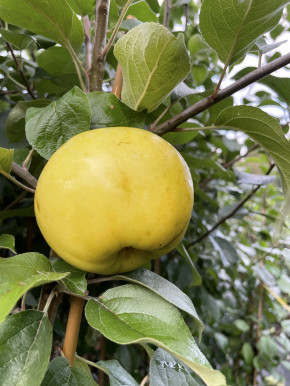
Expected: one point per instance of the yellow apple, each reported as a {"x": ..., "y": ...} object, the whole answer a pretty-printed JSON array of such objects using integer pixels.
[{"x": 110, "y": 200}]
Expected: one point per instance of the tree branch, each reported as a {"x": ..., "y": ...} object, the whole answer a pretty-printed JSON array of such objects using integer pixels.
[
  {"x": 24, "y": 175},
  {"x": 205, "y": 103},
  {"x": 232, "y": 213},
  {"x": 98, "y": 62}
]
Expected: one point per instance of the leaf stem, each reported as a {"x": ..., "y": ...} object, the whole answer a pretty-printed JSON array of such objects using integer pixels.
[
  {"x": 7, "y": 175},
  {"x": 73, "y": 328},
  {"x": 78, "y": 66},
  {"x": 116, "y": 29},
  {"x": 49, "y": 300}
]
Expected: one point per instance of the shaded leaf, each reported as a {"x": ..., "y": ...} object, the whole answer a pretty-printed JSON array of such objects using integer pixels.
[
  {"x": 231, "y": 27},
  {"x": 60, "y": 373},
  {"x": 17, "y": 40},
  {"x": 7, "y": 242},
  {"x": 82, "y": 7},
  {"x": 55, "y": 61},
  {"x": 151, "y": 67},
  {"x": 132, "y": 314},
  {"x": 263, "y": 129},
  {"x": 52, "y": 19},
  {"x": 15, "y": 124},
  {"x": 76, "y": 282},
  {"x": 109, "y": 111},
  {"x": 25, "y": 212},
  {"x": 197, "y": 280},
  {"x": 50, "y": 127},
  {"x": 228, "y": 253},
  {"x": 118, "y": 376},
  {"x": 20, "y": 273},
  {"x": 166, "y": 370},
  {"x": 25, "y": 341}
]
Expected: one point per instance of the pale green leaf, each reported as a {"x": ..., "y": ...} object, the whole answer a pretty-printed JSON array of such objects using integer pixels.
[
  {"x": 166, "y": 370},
  {"x": 49, "y": 127},
  {"x": 153, "y": 61},
  {"x": 133, "y": 314},
  {"x": 25, "y": 346},
  {"x": 60, "y": 373},
  {"x": 7, "y": 242},
  {"x": 53, "y": 19},
  {"x": 263, "y": 129},
  {"x": 20, "y": 273},
  {"x": 109, "y": 111},
  {"x": 82, "y": 7},
  {"x": 6, "y": 159},
  {"x": 248, "y": 353},
  {"x": 118, "y": 376},
  {"x": 231, "y": 27},
  {"x": 165, "y": 289},
  {"x": 76, "y": 282}
]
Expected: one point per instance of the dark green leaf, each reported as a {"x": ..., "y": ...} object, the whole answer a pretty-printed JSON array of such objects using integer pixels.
[
  {"x": 109, "y": 111},
  {"x": 166, "y": 370},
  {"x": 25, "y": 212},
  {"x": 50, "y": 127},
  {"x": 132, "y": 314},
  {"x": 15, "y": 124},
  {"x": 25, "y": 341},
  {"x": 118, "y": 376},
  {"x": 20, "y": 273}
]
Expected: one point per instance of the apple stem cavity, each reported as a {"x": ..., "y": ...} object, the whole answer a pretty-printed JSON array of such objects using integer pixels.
[{"x": 73, "y": 328}]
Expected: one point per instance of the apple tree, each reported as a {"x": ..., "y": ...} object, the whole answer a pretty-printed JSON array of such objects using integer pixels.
[{"x": 212, "y": 79}]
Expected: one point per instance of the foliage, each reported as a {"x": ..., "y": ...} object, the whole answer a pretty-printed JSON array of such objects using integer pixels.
[{"x": 214, "y": 310}]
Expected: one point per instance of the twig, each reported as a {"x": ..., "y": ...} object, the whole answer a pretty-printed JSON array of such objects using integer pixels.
[
  {"x": 232, "y": 213},
  {"x": 19, "y": 69},
  {"x": 24, "y": 174},
  {"x": 259, "y": 316},
  {"x": 88, "y": 49},
  {"x": 166, "y": 16},
  {"x": 116, "y": 29},
  {"x": 222, "y": 94},
  {"x": 17, "y": 199},
  {"x": 73, "y": 328},
  {"x": 98, "y": 64}
]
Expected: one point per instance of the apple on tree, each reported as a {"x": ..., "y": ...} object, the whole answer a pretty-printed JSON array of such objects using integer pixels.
[{"x": 110, "y": 200}]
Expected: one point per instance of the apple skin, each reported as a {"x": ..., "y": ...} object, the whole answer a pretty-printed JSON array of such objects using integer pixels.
[{"x": 110, "y": 200}]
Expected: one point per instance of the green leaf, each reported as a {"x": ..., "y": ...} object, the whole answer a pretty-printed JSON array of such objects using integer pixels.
[
  {"x": 56, "y": 61},
  {"x": 242, "y": 325},
  {"x": 284, "y": 283},
  {"x": 197, "y": 280},
  {"x": 118, "y": 376},
  {"x": 76, "y": 281},
  {"x": 109, "y": 111},
  {"x": 25, "y": 346},
  {"x": 132, "y": 314},
  {"x": 82, "y": 7},
  {"x": 231, "y": 27},
  {"x": 7, "y": 242},
  {"x": 60, "y": 373},
  {"x": 20, "y": 273},
  {"x": 53, "y": 19},
  {"x": 50, "y": 127},
  {"x": 6, "y": 160},
  {"x": 204, "y": 163},
  {"x": 253, "y": 179},
  {"x": 17, "y": 40},
  {"x": 166, "y": 370},
  {"x": 248, "y": 353},
  {"x": 199, "y": 74},
  {"x": 165, "y": 289},
  {"x": 263, "y": 129},
  {"x": 151, "y": 67},
  {"x": 15, "y": 124},
  {"x": 228, "y": 253},
  {"x": 142, "y": 12}
]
